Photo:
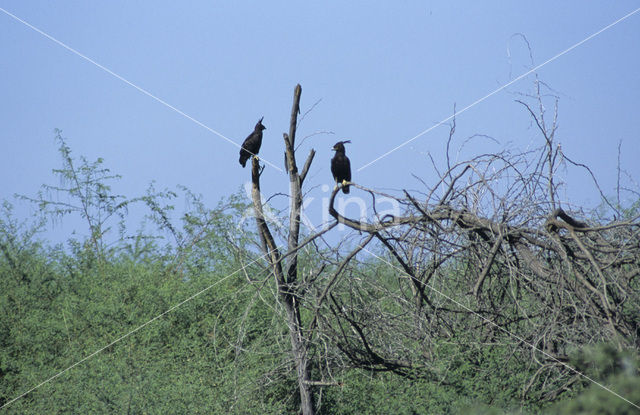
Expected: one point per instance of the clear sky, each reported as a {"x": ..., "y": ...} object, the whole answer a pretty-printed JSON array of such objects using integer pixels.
[{"x": 382, "y": 72}]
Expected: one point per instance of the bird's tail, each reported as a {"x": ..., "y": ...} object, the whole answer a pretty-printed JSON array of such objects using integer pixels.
[
  {"x": 243, "y": 161},
  {"x": 345, "y": 189}
]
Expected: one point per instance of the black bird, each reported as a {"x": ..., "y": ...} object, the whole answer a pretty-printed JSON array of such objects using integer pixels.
[
  {"x": 251, "y": 145},
  {"x": 340, "y": 166}
]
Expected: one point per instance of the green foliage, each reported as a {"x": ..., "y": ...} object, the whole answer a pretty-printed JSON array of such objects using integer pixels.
[
  {"x": 197, "y": 358},
  {"x": 84, "y": 190},
  {"x": 61, "y": 306},
  {"x": 226, "y": 349},
  {"x": 384, "y": 393},
  {"x": 614, "y": 370}
]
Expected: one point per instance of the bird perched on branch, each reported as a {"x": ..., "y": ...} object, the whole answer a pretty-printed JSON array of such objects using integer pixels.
[
  {"x": 340, "y": 166},
  {"x": 251, "y": 145}
]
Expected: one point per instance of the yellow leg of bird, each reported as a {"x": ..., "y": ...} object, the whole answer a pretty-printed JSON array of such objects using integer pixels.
[
  {"x": 335, "y": 187},
  {"x": 344, "y": 182}
]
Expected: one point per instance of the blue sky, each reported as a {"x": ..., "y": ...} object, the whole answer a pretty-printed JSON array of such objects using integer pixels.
[{"x": 381, "y": 71}]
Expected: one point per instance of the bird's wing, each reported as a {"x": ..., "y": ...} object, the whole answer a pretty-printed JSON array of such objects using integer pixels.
[
  {"x": 247, "y": 140},
  {"x": 334, "y": 168},
  {"x": 252, "y": 143},
  {"x": 347, "y": 165}
]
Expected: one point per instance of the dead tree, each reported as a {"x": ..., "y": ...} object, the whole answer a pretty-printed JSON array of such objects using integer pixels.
[
  {"x": 489, "y": 250},
  {"x": 286, "y": 280},
  {"x": 291, "y": 291}
]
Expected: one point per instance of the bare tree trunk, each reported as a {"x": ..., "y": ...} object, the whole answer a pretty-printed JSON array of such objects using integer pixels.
[{"x": 287, "y": 281}]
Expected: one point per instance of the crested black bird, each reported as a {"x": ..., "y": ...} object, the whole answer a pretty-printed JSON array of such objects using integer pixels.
[
  {"x": 340, "y": 166},
  {"x": 251, "y": 144}
]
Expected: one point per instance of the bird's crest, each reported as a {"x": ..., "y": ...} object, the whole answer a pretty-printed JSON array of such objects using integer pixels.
[
  {"x": 259, "y": 124},
  {"x": 340, "y": 145}
]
